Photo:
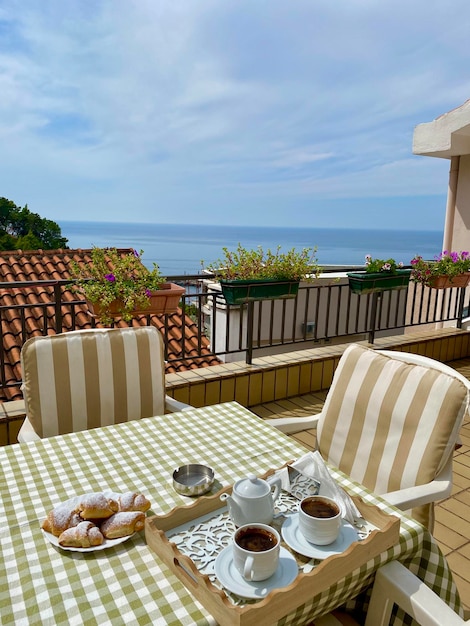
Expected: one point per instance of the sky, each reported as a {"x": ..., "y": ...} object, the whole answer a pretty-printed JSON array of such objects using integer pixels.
[{"x": 240, "y": 112}]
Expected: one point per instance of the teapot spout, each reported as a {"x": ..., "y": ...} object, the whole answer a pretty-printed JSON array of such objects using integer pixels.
[{"x": 234, "y": 509}]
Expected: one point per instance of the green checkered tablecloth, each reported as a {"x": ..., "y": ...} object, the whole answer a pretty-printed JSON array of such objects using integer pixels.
[{"x": 128, "y": 584}]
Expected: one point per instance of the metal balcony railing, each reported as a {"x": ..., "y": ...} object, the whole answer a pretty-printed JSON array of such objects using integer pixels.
[
  {"x": 323, "y": 311},
  {"x": 327, "y": 310}
]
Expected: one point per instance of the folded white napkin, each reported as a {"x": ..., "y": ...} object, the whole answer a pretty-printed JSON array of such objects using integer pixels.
[{"x": 312, "y": 464}]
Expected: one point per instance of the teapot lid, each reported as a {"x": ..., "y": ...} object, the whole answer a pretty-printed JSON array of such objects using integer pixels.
[{"x": 252, "y": 487}]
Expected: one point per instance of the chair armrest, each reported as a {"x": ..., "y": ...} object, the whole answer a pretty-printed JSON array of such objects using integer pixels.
[
  {"x": 27, "y": 432},
  {"x": 172, "y": 405},
  {"x": 291, "y": 425},
  {"x": 438, "y": 489},
  {"x": 394, "y": 583}
]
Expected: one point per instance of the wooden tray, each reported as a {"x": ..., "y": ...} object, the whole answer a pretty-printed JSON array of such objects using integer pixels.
[{"x": 279, "y": 602}]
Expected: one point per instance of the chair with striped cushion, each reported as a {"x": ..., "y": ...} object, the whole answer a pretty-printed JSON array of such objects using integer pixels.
[
  {"x": 391, "y": 421},
  {"x": 88, "y": 378}
]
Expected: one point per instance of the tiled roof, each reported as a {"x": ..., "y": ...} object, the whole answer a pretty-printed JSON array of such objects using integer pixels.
[{"x": 18, "y": 324}]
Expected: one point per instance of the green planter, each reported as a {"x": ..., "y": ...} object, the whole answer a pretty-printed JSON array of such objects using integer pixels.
[
  {"x": 240, "y": 291},
  {"x": 362, "y": 282}
]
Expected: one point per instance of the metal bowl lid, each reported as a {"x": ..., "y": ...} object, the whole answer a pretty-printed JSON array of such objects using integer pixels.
[{"x": 193, "y": 479}]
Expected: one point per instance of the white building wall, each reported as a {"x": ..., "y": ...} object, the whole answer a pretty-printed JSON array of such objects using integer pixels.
[{"x": 461, "y": 230}]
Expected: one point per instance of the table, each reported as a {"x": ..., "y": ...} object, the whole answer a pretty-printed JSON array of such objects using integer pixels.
[{"x": 128, "y": 584}]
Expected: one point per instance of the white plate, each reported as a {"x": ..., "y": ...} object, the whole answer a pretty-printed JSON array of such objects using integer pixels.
[
  {"x": 232, "y": 580},
  {"x": 294, "y": 538},
  {"x": 107, "y": 543}
]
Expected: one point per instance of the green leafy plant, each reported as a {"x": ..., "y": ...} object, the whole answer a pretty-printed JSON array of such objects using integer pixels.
[
  {"x": 374, "y": 266},
  {"x": 114, "y": 277},
  {"x": 449, "y": 264},
  {"x": 243, "y": 264}
]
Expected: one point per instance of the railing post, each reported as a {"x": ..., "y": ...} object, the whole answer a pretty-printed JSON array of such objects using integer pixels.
[
  {"x": 2, "y": 356},
  {"x": 373, "y": 315},
  {"x": 58, "y": 307},
  {"x": 249, "y": 331},
  {"x": 461, "y": 307}
]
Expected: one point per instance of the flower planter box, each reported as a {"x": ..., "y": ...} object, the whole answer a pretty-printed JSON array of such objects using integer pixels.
[
  {"x": 163, "y": 301},
  {"x": 363, "y": 283},
  {"x": 241, "y": 291},
  {"x": 443, "y": 282}
]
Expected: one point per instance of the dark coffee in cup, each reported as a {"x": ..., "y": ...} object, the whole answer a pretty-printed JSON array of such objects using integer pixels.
[
  {"x": 317, "y": 507},
  {"x": 255, "y": 539}
]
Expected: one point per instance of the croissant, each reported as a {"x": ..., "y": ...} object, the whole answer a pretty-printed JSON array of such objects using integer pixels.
[
  {"x": 84, "y": 535},
  {"x": 130, "y": 501},
  {"x": 63, "y": 516},
  {"x": 123, "y": 524},
  {"x": 96, "y": 506}
]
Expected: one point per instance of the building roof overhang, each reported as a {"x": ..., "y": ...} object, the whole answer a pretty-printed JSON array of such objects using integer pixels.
[{"x": 446, "y": 136}]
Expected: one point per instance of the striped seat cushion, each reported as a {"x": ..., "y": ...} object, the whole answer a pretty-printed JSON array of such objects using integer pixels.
[
  {"x": 387, "y": 423},
  {"x": 90, "y": 378}
]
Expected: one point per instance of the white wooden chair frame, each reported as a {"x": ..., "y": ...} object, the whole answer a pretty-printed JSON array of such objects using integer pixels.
[{"x": 395, "y": 584}]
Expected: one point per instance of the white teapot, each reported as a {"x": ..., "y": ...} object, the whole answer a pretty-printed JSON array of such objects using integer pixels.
[{"x": 252, "y": 500}]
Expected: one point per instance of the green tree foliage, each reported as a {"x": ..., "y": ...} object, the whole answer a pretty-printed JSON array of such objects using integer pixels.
[
  {"x": 30, "y": 242},
  {"x": 7, "y": 242},
  {"x": 21, "y": 229}
]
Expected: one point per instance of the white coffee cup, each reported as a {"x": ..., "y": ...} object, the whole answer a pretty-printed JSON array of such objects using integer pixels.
[
  {"x": 256, "y": 550},
  {"x": 319, "y": 520}
]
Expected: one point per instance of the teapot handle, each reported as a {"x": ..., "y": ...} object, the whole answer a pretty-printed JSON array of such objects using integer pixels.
[{"x": 276, "y": 483}]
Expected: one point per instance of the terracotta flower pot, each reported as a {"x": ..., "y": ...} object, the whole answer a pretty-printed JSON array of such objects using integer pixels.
[
  {"x": 163, "y": 301},
  {"x": 443, "y": 282}
]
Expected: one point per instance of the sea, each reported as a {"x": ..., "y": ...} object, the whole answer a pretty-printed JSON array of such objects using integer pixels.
[{"x": 181, "y": 249}]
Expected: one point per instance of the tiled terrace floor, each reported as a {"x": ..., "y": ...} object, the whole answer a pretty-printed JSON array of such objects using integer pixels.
[{"x": 452, "y": 528}]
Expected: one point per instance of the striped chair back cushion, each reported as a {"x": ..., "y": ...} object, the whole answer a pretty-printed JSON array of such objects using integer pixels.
[
  {"x": 89, "y": 378},
  {"x": 390, "y": 424}
]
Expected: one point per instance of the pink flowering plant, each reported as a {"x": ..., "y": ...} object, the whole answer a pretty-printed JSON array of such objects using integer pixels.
[
  {"x": 374, "y": 266},
  {"x": 115, "y": 277},
  {"x": 449, "y": 264}
]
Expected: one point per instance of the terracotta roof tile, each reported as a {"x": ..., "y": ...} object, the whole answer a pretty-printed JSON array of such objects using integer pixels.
[{"x": 19, "y": 324}]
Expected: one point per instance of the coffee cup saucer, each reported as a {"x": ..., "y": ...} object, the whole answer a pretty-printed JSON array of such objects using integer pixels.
[
  {"x": 234, "y": 582},
  {"x": 295, "y": 539}
]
